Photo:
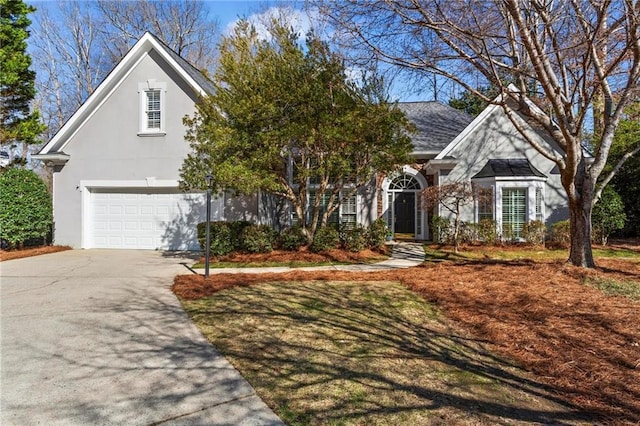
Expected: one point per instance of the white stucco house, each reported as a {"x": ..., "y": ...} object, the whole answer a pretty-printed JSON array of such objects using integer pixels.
[{"x": 116, "y": 165}]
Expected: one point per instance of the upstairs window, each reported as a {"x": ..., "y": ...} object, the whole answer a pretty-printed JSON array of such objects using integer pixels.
[{"x": 152, "y": 108}]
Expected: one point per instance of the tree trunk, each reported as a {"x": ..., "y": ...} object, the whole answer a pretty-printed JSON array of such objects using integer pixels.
[{"x": 580, "y": 253}]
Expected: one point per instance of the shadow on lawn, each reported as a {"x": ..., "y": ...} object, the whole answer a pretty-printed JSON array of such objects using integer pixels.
[{"x": 326, "y": 352}]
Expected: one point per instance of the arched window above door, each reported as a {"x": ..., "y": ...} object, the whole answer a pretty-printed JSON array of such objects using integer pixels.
[{"x": 404, "y": 182}]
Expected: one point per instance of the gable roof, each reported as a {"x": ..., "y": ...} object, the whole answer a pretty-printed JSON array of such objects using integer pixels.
[
  {"x": 436, "y": 124},
  {"x": 148, "y": 42},
  {"x": 518, "y": 167}
]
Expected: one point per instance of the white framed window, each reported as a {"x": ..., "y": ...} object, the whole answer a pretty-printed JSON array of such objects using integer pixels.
[
  {"x": 152, "y": 108},
  {"x": 514, "y": 211},
  {"x": 539, "y": 205},
  {"x": 484, "y": 202}
]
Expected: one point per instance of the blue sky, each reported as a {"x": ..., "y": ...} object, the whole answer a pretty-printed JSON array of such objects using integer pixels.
[{"x": 226, "y": 12}]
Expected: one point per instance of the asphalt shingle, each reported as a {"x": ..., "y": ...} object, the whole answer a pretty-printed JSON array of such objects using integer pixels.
[{"x": 436, "y": 124}]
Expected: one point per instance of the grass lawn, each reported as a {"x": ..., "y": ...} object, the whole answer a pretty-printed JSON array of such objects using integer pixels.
[
  {"x": 365, "y": 353},
  {"x": 474, "y": 338}
]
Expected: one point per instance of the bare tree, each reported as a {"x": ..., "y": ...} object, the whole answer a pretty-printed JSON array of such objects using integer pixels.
[
  {"x": 452, "y": 197},
  {"x": 69, "y": 58},
  {"x": 76, "y": 47},
  {"x": 184, "y": 25},
  {"x": 560, "y": 55}
]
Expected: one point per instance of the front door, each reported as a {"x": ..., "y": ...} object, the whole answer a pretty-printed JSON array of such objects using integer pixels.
[{"x": 404, "y": 207}]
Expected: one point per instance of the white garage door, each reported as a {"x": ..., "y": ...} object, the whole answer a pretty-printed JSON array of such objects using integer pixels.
[{"x": 147, "y": 219}]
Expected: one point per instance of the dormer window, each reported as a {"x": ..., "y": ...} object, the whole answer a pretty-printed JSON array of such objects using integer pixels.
[{"x": 152, "y": 108}]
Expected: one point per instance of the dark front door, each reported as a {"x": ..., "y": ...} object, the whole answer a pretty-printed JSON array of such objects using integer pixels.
[{"x": 405, "y": 213}]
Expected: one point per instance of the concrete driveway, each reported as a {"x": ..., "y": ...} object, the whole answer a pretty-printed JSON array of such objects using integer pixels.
[{"x": 96, "y": 337}]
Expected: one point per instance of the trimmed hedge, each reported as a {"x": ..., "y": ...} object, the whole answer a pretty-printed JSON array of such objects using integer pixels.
[
  {"x": 292, "y": 239},
  {"x": 326, "y": 238},
  {"x": 353, "y": 237},
  {"x": 258, "y": 238},
  {"x": 534, "y": 232},
  {"x": 26, "y": 212},
  {"x": 378, "y": 233},
  {"x": 221, "y": 237},
  {"x": 561, "y": 233}
]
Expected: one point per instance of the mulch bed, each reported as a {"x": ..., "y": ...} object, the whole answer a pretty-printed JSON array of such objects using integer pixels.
[
  {"x": 583, "y": 344},
  {"x": 304, "y": 255},
  {"x": 30, "y": 251}
]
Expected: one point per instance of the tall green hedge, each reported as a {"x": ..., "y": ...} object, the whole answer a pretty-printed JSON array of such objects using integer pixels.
[{"x": 25, "y": 207}]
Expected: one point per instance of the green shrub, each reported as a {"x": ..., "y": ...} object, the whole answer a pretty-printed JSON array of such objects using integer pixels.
[
  {"x": 534, "y": 232},
  {"x": 221, "y": 241},
  {"x": 236, "y": 228},
  {"x": 326, "y": 238},
  {"x": 353, "y": 237},
  {"x": 608, "y": 215},
  {"x": 509, "y": 235},
  {"x": 378, "y": 233},
  {"x": 469, "y": 232},
  {"x": 561, "y": 233},
  {"x": 25, "y": 207},
  {"x": 292, "y": 239},
  {"x": 442, "y": 230},
  {"x": 258, "y": 238},
  {"x": 488, "y": 231}
]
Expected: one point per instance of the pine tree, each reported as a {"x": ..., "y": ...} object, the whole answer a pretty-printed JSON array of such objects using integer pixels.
[{"x": 20, "y": 124}]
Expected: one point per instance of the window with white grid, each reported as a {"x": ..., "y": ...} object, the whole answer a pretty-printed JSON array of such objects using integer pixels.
[
  {"x": 514, "y": 211},
  {"x": 152, "y": 108}
]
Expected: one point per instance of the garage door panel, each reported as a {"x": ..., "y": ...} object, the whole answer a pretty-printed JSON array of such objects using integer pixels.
[{"x": 147, "y": 218}]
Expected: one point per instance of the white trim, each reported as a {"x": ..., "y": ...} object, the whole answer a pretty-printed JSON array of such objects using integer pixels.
[
  {"x": 113, "y": 80},
  {"x": 143, "y": 89},
  {"x": 407, "y": 170}
]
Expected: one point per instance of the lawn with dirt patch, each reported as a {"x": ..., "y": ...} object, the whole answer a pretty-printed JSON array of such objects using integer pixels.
[
  {"x": 30, "y": 251},
  {"x": 550, "y": 318}
]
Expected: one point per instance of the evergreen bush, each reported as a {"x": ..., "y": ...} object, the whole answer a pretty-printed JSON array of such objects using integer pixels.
[
  {"x": 442, "y": 230},
  {"x": 221, "y": 241},
  {"x": 561, "y": 232},
  {"x": 353, "y": 237},
  {"x": 292, "y": 239},
  {"x": 236, "y": 228},
  {"x": 26, "y": 211},
  {"x": 326, "y": 238},
  {"x": 488, "y": 231},
  {"x": 534, "y": 232},
  {"x": 258, "y": 238},
  {"x": 378, "y": 233}
]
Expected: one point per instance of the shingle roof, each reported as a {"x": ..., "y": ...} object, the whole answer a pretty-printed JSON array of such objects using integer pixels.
[
  {"x": 436, "y": 124},
  {"x": 193, "y": 72},
  {"x": 508, "y": 168}
]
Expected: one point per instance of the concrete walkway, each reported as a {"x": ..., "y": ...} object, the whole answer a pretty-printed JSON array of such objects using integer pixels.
[
  {"x": 404, "y": 255},
  {"x": 95, "y": 337}
]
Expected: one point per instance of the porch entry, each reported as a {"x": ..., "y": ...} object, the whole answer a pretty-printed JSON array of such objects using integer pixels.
[
  {"x": 405, "y": 216},
  {"x": 404, "y": 207}
]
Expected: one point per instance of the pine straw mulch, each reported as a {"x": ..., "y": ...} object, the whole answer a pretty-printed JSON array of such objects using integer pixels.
[
  {"x": 583, "y": 344},
  {"x": 302, "y": 256},
  {"x": 30, "y": 251}
]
